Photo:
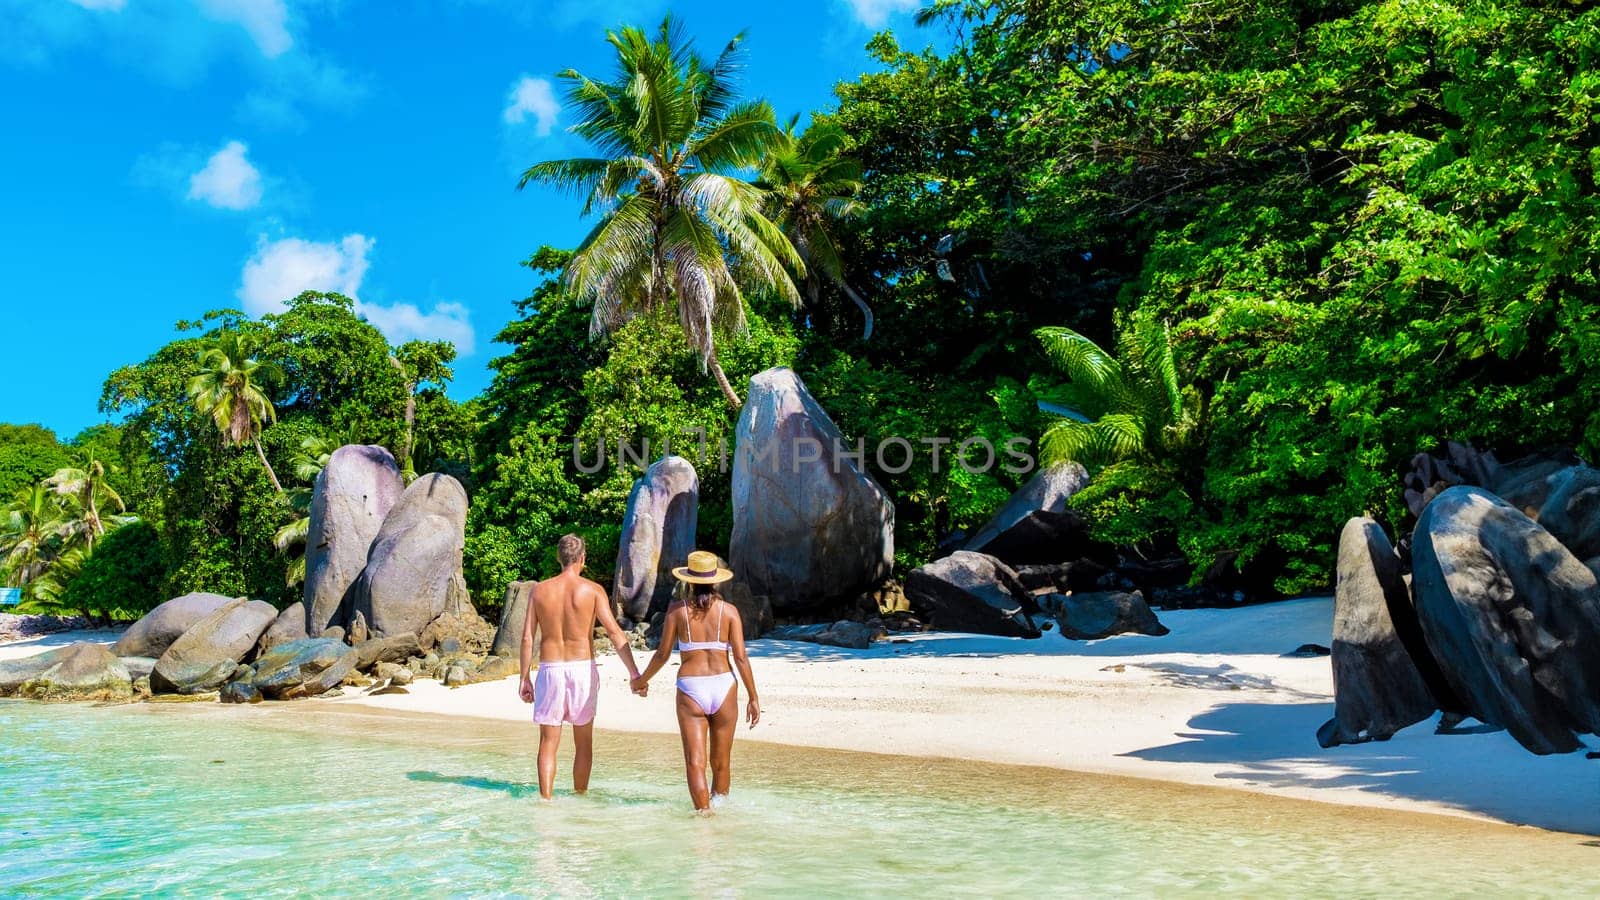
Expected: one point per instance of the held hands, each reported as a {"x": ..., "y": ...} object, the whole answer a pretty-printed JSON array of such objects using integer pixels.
[
  {"x": 639, "y": 685},
  {"x": 525, "y": 691},
  {"x": 752, "y": 711}
]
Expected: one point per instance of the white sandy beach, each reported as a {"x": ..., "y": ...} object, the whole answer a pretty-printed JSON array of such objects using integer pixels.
[{"x": 1213, "y": 703}]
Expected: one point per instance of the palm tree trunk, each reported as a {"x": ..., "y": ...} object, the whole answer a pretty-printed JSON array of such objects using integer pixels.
[
  {"x": 406, "y": 465},
  {"x": 866, "y": 331},
  {"x": 266, "y": 465},
  {"x": 722, "y": 379}
]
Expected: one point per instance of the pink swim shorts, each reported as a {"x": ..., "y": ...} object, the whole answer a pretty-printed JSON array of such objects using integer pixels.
[{"x": 566, "y": 692}]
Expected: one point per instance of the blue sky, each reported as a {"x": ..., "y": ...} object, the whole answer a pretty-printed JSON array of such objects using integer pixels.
[{"x": 167, "y": 157}]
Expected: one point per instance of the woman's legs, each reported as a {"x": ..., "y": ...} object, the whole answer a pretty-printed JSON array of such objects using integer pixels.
[
  {"x": 723, "y": 726},
  {"x": 692, "y": 726}
]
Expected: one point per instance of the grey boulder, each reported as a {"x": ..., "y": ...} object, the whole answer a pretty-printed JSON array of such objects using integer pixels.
[
  {"x": 80, "y": 671},
  {"x": 810, "y": 525},
  {"x": 413, "y": 571},
  {"x": 1566, "y": 503},
  {"x": 1512, "y": 617},
  {"x": 658, "y": 530},
  {"x": 205, "y": 657},
  {"x": 155, "y": 632},
  {"x": 1101, "y": 614},
  {"x": 513, "y": 613},
  {"x": 290, "y": 625},
  {"x": 1378, "y": 687},
  {"x": 303, "y": 668},
  {"x": 396, "y": 649},
  {"x": 1036, "y": 525},
  {"x": 352, "y": 495},
  {"x": 968, "y": 591}
]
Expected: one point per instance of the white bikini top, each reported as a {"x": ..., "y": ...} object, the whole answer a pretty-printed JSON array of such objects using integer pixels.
[{"x": 701, "y": 645}]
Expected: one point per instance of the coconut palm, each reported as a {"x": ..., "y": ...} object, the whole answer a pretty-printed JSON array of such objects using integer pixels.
[
  {"x": 812, "y": 187},
  {"x": 88, "y": 494},
  {"x": 1125, "y": 416},
  {"x": 677, "y": 224},
  {"x": 229, "y": 389},
  {"x": 31, "y": 534}
]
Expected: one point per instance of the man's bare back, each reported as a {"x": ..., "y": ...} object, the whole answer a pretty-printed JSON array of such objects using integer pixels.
[{"x": 566, "y": 608}]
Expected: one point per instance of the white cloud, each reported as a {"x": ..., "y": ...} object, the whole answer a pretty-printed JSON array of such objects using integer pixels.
[
  {"x": 532, "y": 98},
  {"x": 280, "y": 270},
  {"x": 876, "y": 13},
  {"x": 111, "y": 5},
  {"x": 401, "y": 322},
  {"x": 228, "y": 181},
  {"x": 266, "y": 21}
]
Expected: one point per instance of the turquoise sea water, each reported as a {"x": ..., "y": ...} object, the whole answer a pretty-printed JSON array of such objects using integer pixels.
[{"x": 261, "y": 802}]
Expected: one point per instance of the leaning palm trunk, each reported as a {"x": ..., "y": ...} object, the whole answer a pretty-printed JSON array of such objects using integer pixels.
[
  {"x": 866, "y": 311},
  {"x": 260, "y": 454},
  {"x": 715, "y": 366}
]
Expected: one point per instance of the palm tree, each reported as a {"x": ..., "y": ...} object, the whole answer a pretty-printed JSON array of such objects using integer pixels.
[
  {"x": 1125, "y": 417},
  {"x": 812, "y": 187},
  {"x": 229, "y": 390},
  {"x": 31, "y": 534},
  {"x": 671, "y": 137},
  {"x": 87, "y": 492}
]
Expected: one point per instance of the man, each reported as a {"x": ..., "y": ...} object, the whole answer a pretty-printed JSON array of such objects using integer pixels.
[{"x": 563, "y": 611}]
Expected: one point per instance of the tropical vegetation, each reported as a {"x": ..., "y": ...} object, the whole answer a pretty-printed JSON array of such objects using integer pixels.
[{"x": 1242, "y": 260}]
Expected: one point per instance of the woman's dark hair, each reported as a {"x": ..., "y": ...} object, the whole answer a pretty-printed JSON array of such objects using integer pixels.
[{"x": 701, "y": 596}]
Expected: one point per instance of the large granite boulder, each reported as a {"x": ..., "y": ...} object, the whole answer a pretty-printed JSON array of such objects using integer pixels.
[
  {"x": 1379, "y": 653},
  {"x": 1036, "y": 526},
  {"x": 352, "y": 495},
  {"x": 810, "y": 525},
  {"x": 513, "y": 615},
  {"x": 462, "y": 626},
  {"x": 657, "y": 533},
  {"x": 80, "y": 671},
  {"x": 1565, "y": 502},
  {"x": 969, "y": 591},
  {"x": 303, "y": 668},
  {"x": 755, "y": 610},
  {"x": 206, "y": 655},
  {"x": 1512, "y": 617},
  {"x": 1101, "y": 614},
  {"x": 290, "y": 625},
  {"x": 155, "y": 632},
  {"x": 413, "y": 572}
]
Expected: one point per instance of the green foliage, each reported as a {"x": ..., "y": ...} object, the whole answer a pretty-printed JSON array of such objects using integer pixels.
[
  {"x": 124, "y": 577},
  {"x": 27, "y": 454}
]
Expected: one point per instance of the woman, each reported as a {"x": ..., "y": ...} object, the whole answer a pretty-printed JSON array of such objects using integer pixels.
[{"x": 705, "y": 629}]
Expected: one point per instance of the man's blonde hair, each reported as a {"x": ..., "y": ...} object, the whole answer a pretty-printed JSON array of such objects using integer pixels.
[{"x": 569, "y": 549}]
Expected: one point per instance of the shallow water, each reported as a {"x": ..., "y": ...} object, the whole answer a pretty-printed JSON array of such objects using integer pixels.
[{"x": 265, "y": 801}]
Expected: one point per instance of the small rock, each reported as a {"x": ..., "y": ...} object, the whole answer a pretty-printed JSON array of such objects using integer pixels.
[
  {"x": 240, "y": 692},
  {"x": 356, "y": 679},
  {"x": 455, "y": 676},
  {"x": 450, "y": 645},
  {"x": 336, "y": 692},
  {"x": 388, "y": 689},
  {"x": 333, "y": 633},
  {"x": 358, "y": 628},
  {"x": 1309, "y": 650},
  {"x": 242, "y": 673}
]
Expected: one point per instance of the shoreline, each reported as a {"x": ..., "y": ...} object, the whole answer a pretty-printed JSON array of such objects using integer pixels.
[
  {"x": 955, "y": 776},
  {"x": 1214, "y": 704}
]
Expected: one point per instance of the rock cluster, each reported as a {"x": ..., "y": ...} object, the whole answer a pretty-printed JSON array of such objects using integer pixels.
[{"x": 1501, "y": 617}]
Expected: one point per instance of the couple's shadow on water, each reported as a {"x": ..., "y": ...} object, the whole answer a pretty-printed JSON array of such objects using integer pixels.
[
  {"x": 518, "y": 789},
  {"x": 514, "y": 788}
]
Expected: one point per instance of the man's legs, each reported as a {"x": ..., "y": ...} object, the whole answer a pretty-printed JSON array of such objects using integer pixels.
[
  {"x": 583, "y": 756},
  {"x": 549, "y": 743}
]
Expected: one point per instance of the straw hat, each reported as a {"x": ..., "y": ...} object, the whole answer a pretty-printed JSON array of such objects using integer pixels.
[{"x": 702, "y": 569}]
